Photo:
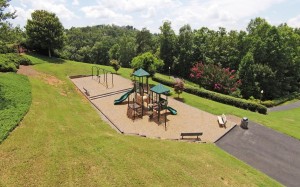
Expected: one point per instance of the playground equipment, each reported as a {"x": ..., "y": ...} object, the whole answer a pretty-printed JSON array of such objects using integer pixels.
[
  {"x": 172, "y": 110},
  {"x": 96, "y": 72},
  {"x": 123, "y": 97},
  {"x": 145, "y": 98}
]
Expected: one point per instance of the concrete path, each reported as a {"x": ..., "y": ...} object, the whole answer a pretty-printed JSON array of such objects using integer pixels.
[
  {"x": 271, "y": 152},
  {"x": 285, "y": 107}
]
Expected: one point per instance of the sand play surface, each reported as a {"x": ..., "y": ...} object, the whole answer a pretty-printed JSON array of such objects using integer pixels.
[{"x": 188, "y": 119}]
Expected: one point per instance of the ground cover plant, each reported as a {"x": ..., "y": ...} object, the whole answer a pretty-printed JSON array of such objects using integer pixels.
[
  {"x": 63, "y": 142},
  {"x": 15, "y": 100}
]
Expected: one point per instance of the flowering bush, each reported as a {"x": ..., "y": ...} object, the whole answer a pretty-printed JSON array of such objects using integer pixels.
[{"x": 214, "y": 77}]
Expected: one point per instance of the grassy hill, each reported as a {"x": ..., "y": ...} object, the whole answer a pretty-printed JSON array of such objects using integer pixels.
[{"x": 62, "y": 141}]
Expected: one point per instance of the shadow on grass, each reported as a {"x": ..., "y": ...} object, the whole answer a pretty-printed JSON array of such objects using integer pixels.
[
  {"x": 180, "y": 99},
  {"x": 53, "y": 60}
]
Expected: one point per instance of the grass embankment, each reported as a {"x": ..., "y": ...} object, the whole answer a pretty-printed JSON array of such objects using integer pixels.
[
  {"x": 15, "y": 100},
  {"x": 63, "y": 142}
]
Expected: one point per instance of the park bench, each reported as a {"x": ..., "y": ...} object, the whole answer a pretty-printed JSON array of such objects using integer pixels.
[
  {"x": 222, "y": 120},
  {"x": 191, "y": 134},
  {"x": 86, "y": 91}
]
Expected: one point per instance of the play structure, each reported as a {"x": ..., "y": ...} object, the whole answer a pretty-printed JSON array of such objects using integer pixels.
[
  {"x": 143, "y": 100},
  {"x": 100, "y": 72},
  {"x": 123, "y": 97}
]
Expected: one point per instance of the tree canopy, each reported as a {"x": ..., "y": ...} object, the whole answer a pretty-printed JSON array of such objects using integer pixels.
[{"x": 44, "y": 31}]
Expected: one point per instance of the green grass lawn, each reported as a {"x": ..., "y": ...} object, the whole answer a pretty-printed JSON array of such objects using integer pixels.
[
  {"x": 15, "y": 100},
  {"x": 63, "y": 142}
]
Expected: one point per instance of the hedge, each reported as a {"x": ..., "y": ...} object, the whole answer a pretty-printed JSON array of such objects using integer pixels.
[
  {"x": 237, "y": 102},
  {"x": 10, "y": 62}
]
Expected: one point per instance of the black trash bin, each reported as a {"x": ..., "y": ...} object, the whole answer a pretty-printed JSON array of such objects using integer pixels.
[{"x": 244, "y": 123}]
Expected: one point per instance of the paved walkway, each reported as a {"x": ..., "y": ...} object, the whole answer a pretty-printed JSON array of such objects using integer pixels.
[
  {"x": 271, "y": 152},
  {"x": 285, "y": 107}
]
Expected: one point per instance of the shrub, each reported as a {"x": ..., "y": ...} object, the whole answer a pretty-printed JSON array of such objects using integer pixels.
[
  {"x": 237, "y": 102},
  {"x": 214, "y": 77},
  {"x": 115, "y": 64},
  {"x": 10, "y": 62}
]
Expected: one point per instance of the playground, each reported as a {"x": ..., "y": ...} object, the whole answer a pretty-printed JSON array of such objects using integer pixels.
[{"x": 133, "y": 107}]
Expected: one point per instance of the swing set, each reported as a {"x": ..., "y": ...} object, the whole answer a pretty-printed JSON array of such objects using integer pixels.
[{"x": 96, "y": 72}]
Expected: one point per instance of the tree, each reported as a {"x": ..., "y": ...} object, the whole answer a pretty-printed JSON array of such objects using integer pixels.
[
  {"x": 179, "y": 87},
  {"x": 185, "y": 51},
  {"x": 5, "y": 15},
  {"x": 114, "y": 52},
  {"x": 115, "y": 64},
  {"x": 143, "y": 41},
  {"x": 167, "y": 40},
  {"x": 148, "y": 62},
  {"x": 45, "y": 31},
  {"x": 126, "y": 51}
]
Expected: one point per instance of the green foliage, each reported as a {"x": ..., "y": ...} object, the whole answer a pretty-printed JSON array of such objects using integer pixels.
[
  {"x": 148, "y": 62},
  {"x": 229, "y": 100},
  {"x": 10, "y": 62},
  {"x": 144, "y": 41},
  {"x": 4, "y": 48},
  {"x": 167, "y": 40},
  {"x": 127, "y": 50},
  {"x": 15, "y": 100},
  {"x": 4, "y": 15},
  {"x": 274, "y": 65},
  {"x": 44, "y": 31},
  {"x": 263, "y": 54},
  {"x": 184, "y": 61},
  {"x": 115, "y": 64},
  {"x": 179, "y": 87},
  {"x": 114, "y": 52}
]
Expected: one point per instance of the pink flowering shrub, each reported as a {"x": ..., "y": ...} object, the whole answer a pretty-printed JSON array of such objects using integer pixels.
[{"x": 214, "y": 77}]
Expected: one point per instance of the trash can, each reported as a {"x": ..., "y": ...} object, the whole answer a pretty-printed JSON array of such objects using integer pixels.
[{"x": 244, "y": 123}]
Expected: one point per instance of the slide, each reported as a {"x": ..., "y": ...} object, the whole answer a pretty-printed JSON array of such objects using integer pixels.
[
  {"x": 123, "y": 97},
  {"x": 172, "y": 110}
]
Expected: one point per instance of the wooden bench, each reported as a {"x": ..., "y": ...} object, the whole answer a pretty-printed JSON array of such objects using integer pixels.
[
  {"x": 222, "y": 120},
  {"x": 86, "y": 91},
  {"x": 191, "y": 134}
]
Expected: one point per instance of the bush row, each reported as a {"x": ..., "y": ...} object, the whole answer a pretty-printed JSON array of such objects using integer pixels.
[
  {"x": 237, "y": 102},
  {"x": 10, "y": 62}
]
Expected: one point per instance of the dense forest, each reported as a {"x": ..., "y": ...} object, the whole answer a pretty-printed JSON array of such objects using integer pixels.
[
  {"x": 262, "y": 62},
  {"x": 264, "y": 57}
]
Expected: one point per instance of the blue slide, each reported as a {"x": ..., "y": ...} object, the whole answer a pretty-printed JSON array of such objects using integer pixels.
[
  {"x": 172, "y": 110},
  {"x": 123, "y": 97}
]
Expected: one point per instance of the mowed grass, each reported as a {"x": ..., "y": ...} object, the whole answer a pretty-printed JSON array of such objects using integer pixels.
[
  {"x": 63, "y": 142},
  {"x": 15, "y": 100}
]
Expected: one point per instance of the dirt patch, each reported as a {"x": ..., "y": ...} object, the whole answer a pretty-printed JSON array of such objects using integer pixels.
[
  {"x": 49, "y": 79},
  {"x": 28, "y": 71}
]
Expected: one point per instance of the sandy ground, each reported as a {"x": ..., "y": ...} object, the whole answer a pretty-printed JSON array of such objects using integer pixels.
[{"x": 188, "y": 119}]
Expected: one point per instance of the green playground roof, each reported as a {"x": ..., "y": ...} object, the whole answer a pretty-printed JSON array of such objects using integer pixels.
[
  {"x": 160, "y": 89},
  {"x": 141, "y": 73}
]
